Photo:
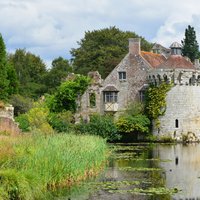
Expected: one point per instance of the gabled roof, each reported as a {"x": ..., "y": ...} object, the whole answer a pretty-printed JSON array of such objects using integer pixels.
[
  {"x": 153, "y": 59},
  {"x": 176, "y": 61}
]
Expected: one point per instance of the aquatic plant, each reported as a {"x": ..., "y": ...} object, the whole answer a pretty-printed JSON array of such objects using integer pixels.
[{"x": 36, "y": 163}]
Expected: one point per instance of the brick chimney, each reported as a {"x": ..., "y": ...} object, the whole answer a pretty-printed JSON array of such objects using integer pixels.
[{"x": 134, "y": 46}]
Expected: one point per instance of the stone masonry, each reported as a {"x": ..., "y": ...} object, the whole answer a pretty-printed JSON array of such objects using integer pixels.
[{"x": 126, "y": 82}]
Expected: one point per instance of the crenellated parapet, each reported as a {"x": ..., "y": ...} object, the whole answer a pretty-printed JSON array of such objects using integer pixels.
[{"x": 176, "y": 76}]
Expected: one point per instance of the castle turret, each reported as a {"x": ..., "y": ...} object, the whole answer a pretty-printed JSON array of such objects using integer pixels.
[
  {"x": 182, "y": 114},
  {"x": 176, "y": 48}
]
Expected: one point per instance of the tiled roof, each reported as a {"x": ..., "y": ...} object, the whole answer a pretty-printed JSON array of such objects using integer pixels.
[
  {"x": 176, "y": 61},
  {"x": 110, "y": 88},
  {"x": 153, "y": 59}
]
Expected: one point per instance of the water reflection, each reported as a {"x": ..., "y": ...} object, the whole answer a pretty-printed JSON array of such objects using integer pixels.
[
  {"x": 145, "y": 172},
  {"x": 184, "y": 170}
]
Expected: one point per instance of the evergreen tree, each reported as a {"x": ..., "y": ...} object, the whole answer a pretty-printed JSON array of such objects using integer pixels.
[
  {"x": 4, "y": 82},
  {"x": 190, "y": 44}
]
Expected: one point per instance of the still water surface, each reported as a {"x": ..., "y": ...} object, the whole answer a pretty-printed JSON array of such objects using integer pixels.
[{"x": 144, "y": 172}]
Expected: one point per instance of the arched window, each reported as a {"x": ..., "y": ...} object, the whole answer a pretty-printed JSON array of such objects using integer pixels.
[{"x": 176, "y": 123}]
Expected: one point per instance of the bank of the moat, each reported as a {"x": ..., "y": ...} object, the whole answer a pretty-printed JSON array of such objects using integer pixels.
[{"x": 144, "y": 172}]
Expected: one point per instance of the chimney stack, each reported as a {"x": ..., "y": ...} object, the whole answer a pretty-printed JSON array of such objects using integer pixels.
[{"x": 134, "y": 46}]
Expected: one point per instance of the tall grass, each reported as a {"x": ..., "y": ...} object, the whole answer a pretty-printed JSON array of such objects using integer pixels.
[{"x": 31, "y": 165}]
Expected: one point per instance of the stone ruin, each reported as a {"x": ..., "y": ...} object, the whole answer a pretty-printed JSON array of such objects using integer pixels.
[{"x": 7, "y": 123}]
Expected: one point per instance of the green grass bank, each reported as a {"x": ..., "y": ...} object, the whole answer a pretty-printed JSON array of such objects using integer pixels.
[{"x": 32, "y": 165}]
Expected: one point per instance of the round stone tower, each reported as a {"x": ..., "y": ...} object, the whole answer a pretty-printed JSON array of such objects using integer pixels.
[{"x": 181, "y": 120}]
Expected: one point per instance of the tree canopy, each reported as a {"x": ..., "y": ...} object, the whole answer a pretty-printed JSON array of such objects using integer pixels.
[
  {"x": 30, "y": 71},
  {"x": 67, "y": 94},
  {"x": 8, "y": 79},
  {"x": 102, "y": 50},
  {"x": 59, "y": 70},
  {"x": 190, "y": 44}
]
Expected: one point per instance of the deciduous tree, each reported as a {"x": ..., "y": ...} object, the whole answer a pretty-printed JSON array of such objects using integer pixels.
[
  {"x": 102, "y": 50},
  {"x": 58, "y": 72}
]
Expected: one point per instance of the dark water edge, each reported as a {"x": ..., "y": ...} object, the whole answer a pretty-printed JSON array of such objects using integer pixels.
[{"x": 143, "y": 171}]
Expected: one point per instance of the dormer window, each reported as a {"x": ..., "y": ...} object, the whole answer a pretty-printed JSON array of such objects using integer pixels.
[{"x": 122, "y": 76}]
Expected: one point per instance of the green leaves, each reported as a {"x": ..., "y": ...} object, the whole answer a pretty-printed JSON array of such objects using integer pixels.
[
  {"x": 138, "y": 123},
  {"x": 67, "y": 94},
  {"x": 155, "y": 100},
  {"x": 101, "y": 50}
]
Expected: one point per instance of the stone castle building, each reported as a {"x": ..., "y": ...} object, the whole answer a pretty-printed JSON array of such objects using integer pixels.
[{"x": 129, "y": 79}]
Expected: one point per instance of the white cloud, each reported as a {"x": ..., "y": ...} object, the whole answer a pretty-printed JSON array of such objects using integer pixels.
[{"x": 51, "y": 28}]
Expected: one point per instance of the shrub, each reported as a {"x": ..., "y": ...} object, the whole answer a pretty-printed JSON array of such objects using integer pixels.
[
  {"x": 21, "y": 104},
  {"x": 24, "y": 124},
  {"x": 67, "y": 94},
  {"x": 61, "y": 122},
  {"x": 103, "y": 126},
  {"x": 138, "y": 123}
]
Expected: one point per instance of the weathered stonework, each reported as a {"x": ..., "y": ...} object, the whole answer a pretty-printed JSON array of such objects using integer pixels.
[
  {"x": 132, "y": 75},
  {"x": 7, "y": 123},
  {"x": 136, "y": 69}
]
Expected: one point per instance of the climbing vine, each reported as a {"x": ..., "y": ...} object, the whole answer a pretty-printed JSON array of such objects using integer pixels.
[{"x": 156, "y": 101}]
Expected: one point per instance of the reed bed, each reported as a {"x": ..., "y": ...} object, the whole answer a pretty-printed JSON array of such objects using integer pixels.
[{"x": 32, "y": 165}]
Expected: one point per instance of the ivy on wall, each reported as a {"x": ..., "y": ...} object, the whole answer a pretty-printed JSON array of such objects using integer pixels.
[{"x": 156, "y": 101}]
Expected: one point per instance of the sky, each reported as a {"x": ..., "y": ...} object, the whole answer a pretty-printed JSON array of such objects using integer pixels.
[{"x": 51, "y": 28}]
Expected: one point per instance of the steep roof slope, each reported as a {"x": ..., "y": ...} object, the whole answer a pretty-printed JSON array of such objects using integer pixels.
[
  {"x": 153, "y": 59},
  {"x": 176, "y": 61}
]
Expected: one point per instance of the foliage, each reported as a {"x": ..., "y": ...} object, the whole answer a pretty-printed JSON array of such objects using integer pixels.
[
  {"x": 21, "y": 104},
  {"x": 38, "y": 119},
  {"x": 58, "y": 72},
  {"x": 13, "y": 85},
  {"x": 133, "y": 119},
  {"x": 190, "y": 44},
  {"x": 133, "y": 123},
  {"x": 30, "y": 71},
  {"x": 34, "y": 164},
  {"x": 61, "y": 122},
  {"x": 103, "y": 126},
  {"x": 156, "y": 100},
  {"x": 134, "y": 108},
  {"x": 101, "y": 50},
  {"x": 65, "y": 98},
  {"x": 4, "y": 82},
  {"x": 24, "y": 124},
  {"x": 166, "y": 139}
]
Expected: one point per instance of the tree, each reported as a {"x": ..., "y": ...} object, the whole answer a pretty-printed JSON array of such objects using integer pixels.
[
  {"x": 13, "y": 80},
  {"x": 4, "y": 82},
  {"x": 59, "y": 70},
  {"x": 190, "y": 44},
  {"x": 30, "y": 71},
  {"x": 102, "y": 50},
  {"x": 65, "y": 98}
]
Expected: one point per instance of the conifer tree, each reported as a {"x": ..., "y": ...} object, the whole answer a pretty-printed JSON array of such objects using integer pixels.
[
  {"x": 4, "y": 82},
  {"x": 190, "y": 44}
]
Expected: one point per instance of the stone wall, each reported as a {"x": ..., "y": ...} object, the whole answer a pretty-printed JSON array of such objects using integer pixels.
[
  {"x": 136, "y": 70},
  {"x": 7, "y": 123},
  {"x": 182, "y": 116}
]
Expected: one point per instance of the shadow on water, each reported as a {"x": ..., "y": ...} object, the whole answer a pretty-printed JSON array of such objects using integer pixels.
[{"x": 143, "y": 172}]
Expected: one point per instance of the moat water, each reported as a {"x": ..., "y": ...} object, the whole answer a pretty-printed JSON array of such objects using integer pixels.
[{"x": 143, "y": 172}]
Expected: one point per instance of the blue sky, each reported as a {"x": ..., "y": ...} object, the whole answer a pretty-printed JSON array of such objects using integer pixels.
[{"x": 50, "y": 28}]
